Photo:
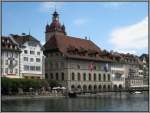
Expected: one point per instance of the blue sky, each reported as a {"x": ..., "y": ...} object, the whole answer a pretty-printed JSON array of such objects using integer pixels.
[{"x": 118, "y": 26}]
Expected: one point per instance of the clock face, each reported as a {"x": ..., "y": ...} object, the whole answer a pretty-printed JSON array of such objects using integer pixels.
[{"x": 56, "y": 18}]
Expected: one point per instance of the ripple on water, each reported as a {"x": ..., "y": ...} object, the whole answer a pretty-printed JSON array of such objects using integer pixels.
[{"x": 113, "y": 102}]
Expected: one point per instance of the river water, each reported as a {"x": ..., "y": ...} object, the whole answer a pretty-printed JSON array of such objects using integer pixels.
[{"x": 108, "y": 102}]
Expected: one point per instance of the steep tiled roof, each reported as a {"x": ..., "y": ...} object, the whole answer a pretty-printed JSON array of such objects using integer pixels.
[
  {"x": 8, "y": 44},
  {"x": 65, "y": 43},
  {"x": 78, "y": 48},
  {"x": 70, "y": 46},
  {"x": 21, "y": 39}
]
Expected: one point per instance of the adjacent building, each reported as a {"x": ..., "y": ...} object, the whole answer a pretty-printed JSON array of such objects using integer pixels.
[
  {"x": 144, "y": 67},
  {"x": 10, "y": 58},
  {"x": 31, "y": 57}
]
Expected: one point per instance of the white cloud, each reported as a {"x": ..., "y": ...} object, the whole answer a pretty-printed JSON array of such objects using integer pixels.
[
  {"x": 131, "y": 38},
  {"x": 42, "y": 42},
  {"x": 80, "y": 21},
  {"x": 113, "y": 5},
  {"x": 46, "y": 6}
]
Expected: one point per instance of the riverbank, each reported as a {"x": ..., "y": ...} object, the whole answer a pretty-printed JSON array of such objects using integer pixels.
[
  {"x": 102, "y": 94},
  {"x": 14, "y": 97}
]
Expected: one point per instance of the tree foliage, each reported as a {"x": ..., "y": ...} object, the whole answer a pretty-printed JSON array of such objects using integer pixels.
[{"x": 11, "y": 85}]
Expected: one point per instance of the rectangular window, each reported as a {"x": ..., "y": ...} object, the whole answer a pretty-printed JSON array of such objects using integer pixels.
[
  {"x": 56, "y": 76},
  {"x": 32, "y": 52},
  {"x": 2, "y": 70},
  {"x": 84, "y": 76},
  {"x": 31, "y": 59},
  {"x": 16, "y": 62},
  {"x": 38, "y": 53},
  {"x": 32, "y": 68},
  {"x": 16, "y": 70},
  {"x": 2, "y": 61},
  {"x": 11, "y": 71},
  {"x": 25, "y": 58},
  {"x": 25, "y": 51},
  {"x": 6, "y": 62},
  {"x": 38, "y": 68},
  {"x": 6, "y": 54},
  {"x": 26, "y": 67},
  {"x": 51, "y": 75},
  {"x": 16, "y": 55},
  {"x": 37, "y": 59},
  {"x": 6, "y": 70}
]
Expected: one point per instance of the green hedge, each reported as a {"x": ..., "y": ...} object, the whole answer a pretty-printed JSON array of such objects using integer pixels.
[{"x": 11, "y": 85}]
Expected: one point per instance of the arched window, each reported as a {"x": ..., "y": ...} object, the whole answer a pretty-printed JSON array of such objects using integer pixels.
[
  {"x": 109, "y": 87},
  {"x": 84, "y": 76},
  {"x": 72, "y": 87},
  {"x": 104, "y": 87},
  {"x": 100, "y": 87},
  {"x": 46, "y": 76},
  {"x": 79, "y": 87},
  {"x": 99, "y": 77},
  {"x": 57, "y": 76},
  {"x": 104, "y": 77},
  {"x": 94, "y": 77},
  {"x": 108, "y": 77},
  {"x": 84, "y": 88},
  {"x": 79, "y": 77},
  {"x": 62, "y": 76},
  {"x": 95, "y": 88},
  {"x": 115, "y": 87},
  {"x": 120, "y": 86},
  {"x": 73, "y": 76},
  {"x": 89, "y": 76},
  {"x": 90, "y": 88},
  {"x": 51, "y": 75}
]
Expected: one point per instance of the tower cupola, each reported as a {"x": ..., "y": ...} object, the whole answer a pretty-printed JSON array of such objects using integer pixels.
[{"x": 55, "y": 26}]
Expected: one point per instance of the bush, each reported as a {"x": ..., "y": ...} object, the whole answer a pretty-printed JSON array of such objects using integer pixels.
[{"x": 53, "y": 83}]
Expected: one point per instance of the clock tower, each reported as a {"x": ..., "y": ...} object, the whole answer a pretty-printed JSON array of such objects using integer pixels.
[{"x": 54, "y": 27}]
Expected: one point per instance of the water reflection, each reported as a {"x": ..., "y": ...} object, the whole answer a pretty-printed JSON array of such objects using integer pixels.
[{"x": 113, "y": 102}]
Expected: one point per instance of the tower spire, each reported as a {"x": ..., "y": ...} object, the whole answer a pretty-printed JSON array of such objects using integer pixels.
[
  {"x": 55, "y": 26},
  {"x": 55, "y": 7}
]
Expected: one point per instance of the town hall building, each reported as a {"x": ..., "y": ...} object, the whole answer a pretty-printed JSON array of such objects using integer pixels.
[{"x": 76, "y": 63}]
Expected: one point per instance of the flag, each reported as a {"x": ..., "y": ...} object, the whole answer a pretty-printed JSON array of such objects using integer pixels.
[{"x": 90, "y": 66}]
